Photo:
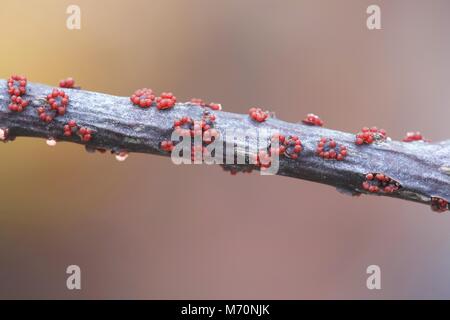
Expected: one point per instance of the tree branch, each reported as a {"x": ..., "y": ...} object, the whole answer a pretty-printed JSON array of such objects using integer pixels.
[{"x": 422, "y": 169}]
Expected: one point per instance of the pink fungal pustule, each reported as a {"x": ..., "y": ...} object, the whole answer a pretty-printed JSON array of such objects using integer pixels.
[
  {"x": 184, "y": 126},
  {"x": 143, "y": 98},
  {"x": 56, "y": 105},
  {"x": 4, "y": 134},
  {"x": 85, "y": 134},
  {"x": 58, "y": 101},
  {"x": 439, "y": 205},
  {"x": 235, "y": 169},
  {"x": 313, "y": 120},
  {"x": 18, "y": 104},
  {"x": 166, "y": 101},
  {"x": 187, "y": 127},
  {"x": 380, "y": 183},
  {"x": 257, "y": 114},
  {"x": 329, "y": 149},
  {"x": 413, "y": 136},
  {"x": 70, "y": 128},
  {"x": 289, "y": 146},
  {"x": 167, "y": 145},
  {"x": 198, "y": 102},
  {"x": 263, "y": 160},
  {"x": 67, "y": 83},
  {"x": 214, "y": 106},
  {"x": 17, "y": 85},
  {"x": 370, "y": 135}
]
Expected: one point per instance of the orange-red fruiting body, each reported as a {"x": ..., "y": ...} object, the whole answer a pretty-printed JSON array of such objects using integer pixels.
[
  {"x": 258, "y": 114},
  {"x": 379, "y": 183},
  {"x": 370, "y": 135},
  {"x": 329, "y": 149},
  {"x": 143, "y": 98},
  {"x": 67, "y": 83},
  {"x": 313, "y": 120},
  {"x": 413, "y": 136},
  {"x": 439, "y": 204},
  {"x": 166, "y": 101}
]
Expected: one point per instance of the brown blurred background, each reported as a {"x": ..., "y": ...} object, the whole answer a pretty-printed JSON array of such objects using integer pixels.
[{"x": 148, "y": 229}]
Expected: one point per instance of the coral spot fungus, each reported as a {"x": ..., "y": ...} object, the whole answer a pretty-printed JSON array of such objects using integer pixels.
[
  {"x": 198, "y": 102},
  {"x": 166, "y": 100},
  {"x": 187, "y": 127},
  {"x": 313, "y": 120},
  {"x": 143, "y": 98},
  {"x": 211, "y": 105},
  {"x": 214, "y": 106},
  {"x": 379, "y": 183},
  {"x": 327, "y": 148},
  {"x": 85, "y": 134},
  {"x": 18, "y": 104},
  {"x": 56, "y": 105},
  {"x": 67, "y": 83},
  {"x": 370, "y": 135},
  {"x": 258, "y": 114},
  {"x": 58, "y": 100},
  {"x": 439, "y": 204},
  {"x": 70, "y": 128},
  {"x": 289, "y": 146},
  {"x": 17, "y": 87},
  {"x": 413, "y": 136}
]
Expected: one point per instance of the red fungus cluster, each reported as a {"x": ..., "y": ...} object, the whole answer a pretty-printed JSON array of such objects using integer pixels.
[
  {"x": 234, "y": 169},
  {"x": 85, "y": 134},
  {"x": 313, "y": 120},
  {"x": 370, "y": 135},
  {"x": 143, "y": 98},
  {"x": 212, "y": 105},
  {"x": 258, "y": 114},
  {"x": 263, "y": 159},
  {"x": 67, "y": 83},
  {"x": 72, "y": 128},
  {"x": 327, "y": 148},
  {"x": 17, "y": 87},
  {"x": 378, "y": 182},
  {"x": 56, "y": 103},
  {"x": 4, "y": 134},
  {"x": 439, "y": 204},
  {"x": 167, "y": 146},
  {"x": 187, "y": 127},
  {"x": 289, "y": 146},
  {"x": 413, "y": 136},
  {"x": 166, "y": 100},
  {"x": 198, "y": 102}
]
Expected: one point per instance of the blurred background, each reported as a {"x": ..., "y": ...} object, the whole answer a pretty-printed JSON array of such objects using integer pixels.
[{"x": 148, "y": 229}]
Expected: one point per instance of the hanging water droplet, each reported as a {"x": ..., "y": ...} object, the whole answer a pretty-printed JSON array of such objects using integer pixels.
[
  {"x": 122, "y": 156},
  {"x": 51, "y": 142},
  {"x": 3, "y": 134}
]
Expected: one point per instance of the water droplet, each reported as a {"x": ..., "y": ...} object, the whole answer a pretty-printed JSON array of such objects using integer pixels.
[
  {"x": 122, "y": 156},
  {"x": 51, "y": 142},
  {"x": 3, "y": 134}
]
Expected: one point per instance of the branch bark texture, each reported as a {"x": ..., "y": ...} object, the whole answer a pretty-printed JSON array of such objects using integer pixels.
[{"x": 421, "y": 168}]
